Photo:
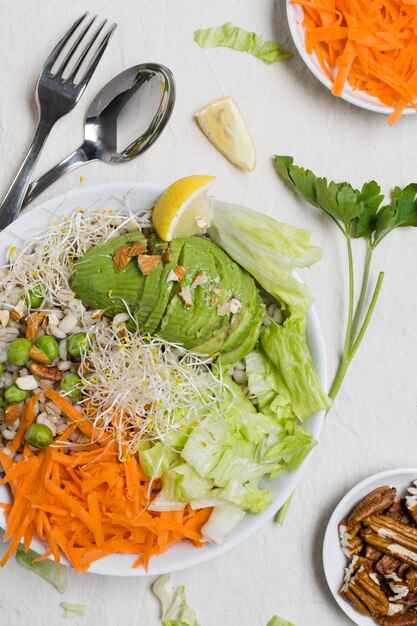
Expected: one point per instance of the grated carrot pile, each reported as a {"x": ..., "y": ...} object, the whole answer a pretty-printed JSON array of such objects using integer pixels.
[
  {"x": 371, "y": 44},
  {"x": 89, "y": 504}
]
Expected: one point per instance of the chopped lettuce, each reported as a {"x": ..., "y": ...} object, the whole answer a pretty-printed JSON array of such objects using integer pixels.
[
  {"x": 55, "y": 574},
  {"x": 74, "y": 610},
  {"x": 222, "y": 521},
  {"x": 175, "y": 610},
  {"x": 278, "y": 621},
  {"x": 267, "y": 249},
  {"x": 287, "y": 348},
  {"x": 239, "y": 39}
]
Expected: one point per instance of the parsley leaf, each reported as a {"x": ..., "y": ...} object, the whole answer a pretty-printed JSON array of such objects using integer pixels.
[
  {"x": 371, "y": 198},
  {"x": 401, "y": 212}
]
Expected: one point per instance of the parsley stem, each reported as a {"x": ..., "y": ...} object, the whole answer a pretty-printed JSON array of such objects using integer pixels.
[
  {"x": 367, "y": 316},
  {"x": 362, "y": 295},
  {"x": 351, "y": 296}
]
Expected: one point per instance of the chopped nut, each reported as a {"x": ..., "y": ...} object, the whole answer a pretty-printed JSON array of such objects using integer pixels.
[
  {"x": 223, "y": 309},
  {"x": 399, "y": 512},
  {"x": 11, "y": 414},
  {"x": 166, "y": 256},
  {"x": 37, "y": 355},
  {"x": 185, "y": 294},
  {"x": 387, "y": 564},
  {"x": 121, "y": 258},
  {"x": 215, "y": 289},
  {"x": 148, "y": 262},
  {"x": 235, "y": 305},
  {"x": 180, "y": 272},
  {"x": 4, "y": 318},
  {"x": 372, "y": 554},
  {"x": 172, "y": 277},
  {"x": 376, "y": 501},
  {"x": 137, "y": 248},
  {"x": 200, "y": 279},
  {"x": 15, "y": 316},
  {"x": 411, "y": 501},
  {"x": 26, "y": 383},
  {"x": 411, "y": 578},
  {"x": 97, "y": 314},
  {"x": 214, "y": 300},
  {"x": 33, "y": 322},
  {"x": 350, "y": 543},
  {"x": 43, "y": 371}
]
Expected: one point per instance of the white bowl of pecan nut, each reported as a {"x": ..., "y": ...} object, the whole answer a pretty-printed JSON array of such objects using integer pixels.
[{"x": 370, "y": 550}]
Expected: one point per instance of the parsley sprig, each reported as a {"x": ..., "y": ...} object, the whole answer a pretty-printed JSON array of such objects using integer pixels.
[{"x": 357, "y": 214}]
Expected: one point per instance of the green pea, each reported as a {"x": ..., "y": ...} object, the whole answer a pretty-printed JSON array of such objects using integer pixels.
[
  {"x": 18, "y": 351},
  {"x": 39, "y": 435},
  {"x": 77, "y": 344},
  {"x": 1, "y": 401},
  {"x": 49, "y": 346},
  {"x": 14, "y": 394},
  {"x": 71, "y": 384},
  {"x": 1, "y": 369},
  {"x": 34, "y": 297}
]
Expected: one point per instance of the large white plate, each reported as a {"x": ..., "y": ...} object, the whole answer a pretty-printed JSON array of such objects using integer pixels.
[
  {"x": 295, "y": 15},
  {"x": 135, "y": 197},
  {"x": 334, "y": 561}
]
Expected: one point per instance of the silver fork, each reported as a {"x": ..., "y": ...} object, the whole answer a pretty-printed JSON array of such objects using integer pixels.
[{"x": 55, "y": 96}]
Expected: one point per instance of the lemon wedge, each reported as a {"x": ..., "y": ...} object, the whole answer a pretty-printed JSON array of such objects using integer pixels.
[
  {"x": 223, "y": 124},
  {"x": 184, "y": 209}
]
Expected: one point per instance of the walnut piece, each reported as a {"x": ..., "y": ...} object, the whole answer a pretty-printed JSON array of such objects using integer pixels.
[{"x": 375, "y": 502}]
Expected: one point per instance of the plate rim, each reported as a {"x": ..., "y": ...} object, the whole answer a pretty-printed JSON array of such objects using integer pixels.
[{"x": 121, "y": 190}]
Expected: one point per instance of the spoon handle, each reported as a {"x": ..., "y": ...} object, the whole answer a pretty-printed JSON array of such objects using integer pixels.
[{"x": 78, "y": 157}]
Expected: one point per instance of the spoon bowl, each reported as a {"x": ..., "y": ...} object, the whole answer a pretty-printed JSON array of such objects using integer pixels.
[{"x": 125, "y": 118}]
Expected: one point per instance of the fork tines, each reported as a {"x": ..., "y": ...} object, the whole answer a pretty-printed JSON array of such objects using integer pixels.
[{"x": 79, "y": 50}]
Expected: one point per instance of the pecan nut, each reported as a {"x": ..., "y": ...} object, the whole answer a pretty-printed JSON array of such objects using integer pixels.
[
  {"x": 388, "y": 527},
  {"x": 375, "y": 502},
  {"x": 411, "y": 501},
  {"x": 399, "y": 512},
  {"x": 403, "y": 619},
  {"x": 369, "y": 592},
  {"x": 354, "y": 600},
  {"x": 350, "y": 542},
  {"x": 411, "y": 578},
  {"x": 372, "y": 554},
  {"x": 390, "y": 547},
  {"x": 43, "y": 371},
  {"x": 387, "y": 565}
]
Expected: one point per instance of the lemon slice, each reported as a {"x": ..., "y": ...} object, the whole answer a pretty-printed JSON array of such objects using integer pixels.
[
  {"x": 184, "y": 209},
  {"x": 223, "y": 124}
]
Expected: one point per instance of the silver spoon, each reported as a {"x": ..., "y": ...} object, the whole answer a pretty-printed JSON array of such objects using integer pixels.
[{"x": 137, "y": 102}]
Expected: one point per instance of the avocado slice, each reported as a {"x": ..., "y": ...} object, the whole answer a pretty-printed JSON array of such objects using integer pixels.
[
  {"x": 96, "y": 282},
  {"x": 192, "y": 325},
  {"x": 248, "y": 343}
]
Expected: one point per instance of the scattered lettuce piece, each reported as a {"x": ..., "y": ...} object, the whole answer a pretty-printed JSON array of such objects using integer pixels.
[
  {"x": 287, "y": 348},
  {"x": 175, "y": 610},
  {"x": 231, "y": 36},
  {"x": 55, "y": 574},
  {"x": 282, "y": 513},
  {"x": 267, "y": 249},
  {"x": 74, "y": 610},
  {"x": 278, "y": 621}
]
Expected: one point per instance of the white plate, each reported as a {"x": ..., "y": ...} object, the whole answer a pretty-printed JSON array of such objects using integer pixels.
[
  {"x": 334, "y": 561},
  {"x": 138, "y": 196},
  {"x": 295, "y": 15}
]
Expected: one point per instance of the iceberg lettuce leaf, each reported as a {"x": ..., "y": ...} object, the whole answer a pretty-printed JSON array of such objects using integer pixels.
[
  {"x": 287, "y": 348},
  {"x": 278, "y": 621},
  {"x": 175, "y": 610},
  {"x": 239, "y": 39},
  {"x": 55, "y": 574},
  {"x": 267, "y": 249}
]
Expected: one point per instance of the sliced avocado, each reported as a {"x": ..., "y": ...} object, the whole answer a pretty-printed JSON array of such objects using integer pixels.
[
  {"x": 191, "y": 325},
  {"x": 247, "y": 345},
  {"x": 163, "y": 293},
  {"x": 96, "y": 282}
]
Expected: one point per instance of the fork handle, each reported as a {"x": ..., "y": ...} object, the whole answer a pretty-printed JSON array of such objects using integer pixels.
[
  {"x": 13, "y": 200},
  {"x": 78, "y": 157}
]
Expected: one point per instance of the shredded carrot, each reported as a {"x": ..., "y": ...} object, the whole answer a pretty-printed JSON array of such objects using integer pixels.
[
  {"x": 370, "y": 44},
  {"x": 89, "y": 504}
]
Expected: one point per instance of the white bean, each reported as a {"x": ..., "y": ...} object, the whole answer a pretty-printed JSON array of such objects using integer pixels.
[
  {"x": 26, "y": 383},
  {"x": 68, "y": 323},
  {"x": 63, "y": 352},
  {"x": 44, "y": 419},
  {"x": 64, "y": 366},
  {"x": 120, "y": 318},
  {"x": 56, "y": 332}
]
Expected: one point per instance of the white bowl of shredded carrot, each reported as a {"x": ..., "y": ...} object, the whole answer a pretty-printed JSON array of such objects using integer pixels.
[
  {"x": 362, "y": 50},
  {"x": 69, "y": 494}
]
